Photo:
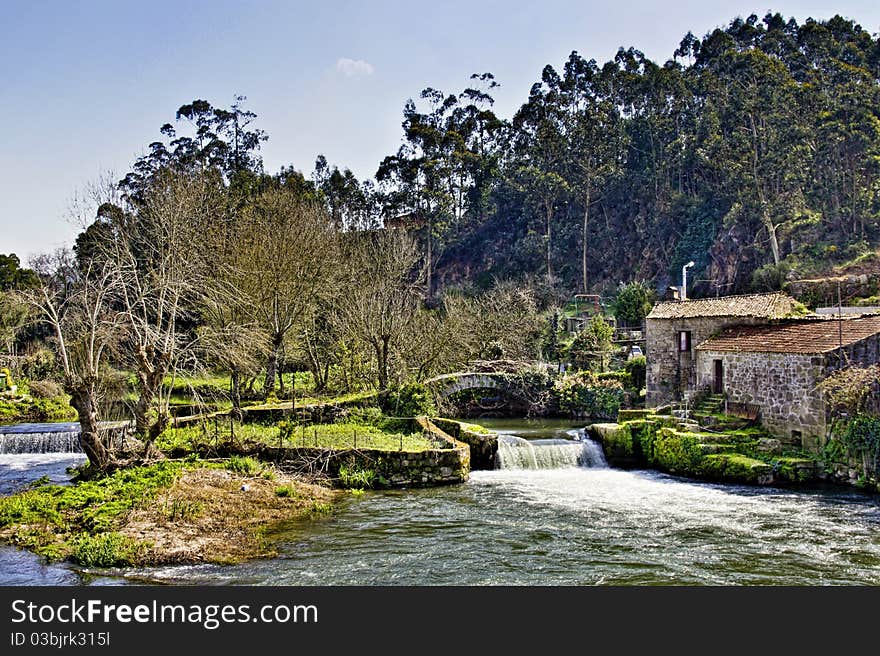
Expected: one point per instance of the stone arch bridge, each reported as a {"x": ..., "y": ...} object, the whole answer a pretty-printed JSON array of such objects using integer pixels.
[{"x": 448, "y": 384}]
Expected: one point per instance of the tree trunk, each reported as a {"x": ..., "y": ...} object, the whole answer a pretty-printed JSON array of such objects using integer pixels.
[
  {"x": 549, "y": 242},
  {"x": 584, "y": 237},
  {"x": 83, "y": 399},
  {"x": 767, "y": 221},
  {"x": 382, "y": 362},
  {"x": 429, "y": 263},
  {"x": 235, "y": 393},
  {"x": 272, "y": 366},
  {"x": 148, "y": 423}
]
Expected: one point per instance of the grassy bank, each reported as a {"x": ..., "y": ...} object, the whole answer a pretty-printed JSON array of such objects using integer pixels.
[
  {"x": 201, "y": 437},
  {"x": 168, "y": 512}
]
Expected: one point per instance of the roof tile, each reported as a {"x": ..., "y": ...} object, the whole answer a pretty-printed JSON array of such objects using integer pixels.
[
  {"x": 805, "y": 336},
  {"x": 774, "y": 305}
]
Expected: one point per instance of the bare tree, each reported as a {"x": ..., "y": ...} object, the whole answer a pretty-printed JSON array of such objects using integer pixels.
[
  {"x": 229, "y": 337},
  {"x": 381, "y": 292},
  {"x": 154, "y": 253},
  {"x": 85, "y": 329},
  {"x": 284, "y": 250}
]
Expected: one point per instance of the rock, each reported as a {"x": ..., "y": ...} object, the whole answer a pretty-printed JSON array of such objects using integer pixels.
[{"x": 768, "y": 445}]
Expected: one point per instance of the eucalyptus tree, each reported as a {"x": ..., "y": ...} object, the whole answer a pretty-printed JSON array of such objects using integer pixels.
[
  {"x": 219, "y": 139},
  {"x": 443, "y": 171}
]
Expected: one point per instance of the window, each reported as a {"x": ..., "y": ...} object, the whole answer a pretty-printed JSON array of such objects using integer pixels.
[{"x": 684, "y": 340}]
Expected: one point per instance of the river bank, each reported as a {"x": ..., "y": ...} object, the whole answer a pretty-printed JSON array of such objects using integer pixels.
[{"x": 168, "y": 512}]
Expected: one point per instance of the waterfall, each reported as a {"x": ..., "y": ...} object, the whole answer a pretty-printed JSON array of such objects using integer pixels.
[
  {"x": 518, "y": 453},
  {"x": 39, "y": 438}
]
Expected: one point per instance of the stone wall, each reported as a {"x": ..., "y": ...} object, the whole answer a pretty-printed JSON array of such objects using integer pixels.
[
  {"x": 483, "y": 446},
  {"x": 395, "y": 468},
  {"x": 781, "y": 385},
  {"x": 448, "y": 463},
  {"x": 670, "y": 373}
]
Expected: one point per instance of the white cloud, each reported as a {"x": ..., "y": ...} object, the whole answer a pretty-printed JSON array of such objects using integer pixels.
[{"x": 352, "y": 67}]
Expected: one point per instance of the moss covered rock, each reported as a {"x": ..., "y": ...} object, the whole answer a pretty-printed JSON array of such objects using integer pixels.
[
  {"x": 734, "y": 467},
  {"x": 677, "y": 452},
  {"x": 630, "y": 415}
]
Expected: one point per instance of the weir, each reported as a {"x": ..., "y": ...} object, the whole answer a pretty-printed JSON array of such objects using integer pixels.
[
  {"x": 519, "y": 453},
  {"x": 39, "y": 438}
]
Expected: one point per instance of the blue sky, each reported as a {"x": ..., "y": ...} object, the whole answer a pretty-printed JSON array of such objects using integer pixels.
[{"x": 84, "y": 86}]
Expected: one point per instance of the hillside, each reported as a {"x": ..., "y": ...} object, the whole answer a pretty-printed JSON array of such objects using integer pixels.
[{"x": 753, "y": 151}]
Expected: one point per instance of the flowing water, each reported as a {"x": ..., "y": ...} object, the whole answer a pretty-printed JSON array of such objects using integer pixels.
[
  {"x": 40, "y": 438},
  {"x": 571, "y": 525}
]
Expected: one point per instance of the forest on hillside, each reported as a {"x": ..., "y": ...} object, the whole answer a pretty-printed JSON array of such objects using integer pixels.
[{"x": 753, "y": 151}]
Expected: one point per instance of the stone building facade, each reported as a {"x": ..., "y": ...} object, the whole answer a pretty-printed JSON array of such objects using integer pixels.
[
  {"x": 675, "y": 328},
  {"x": 774, "y": 370}
]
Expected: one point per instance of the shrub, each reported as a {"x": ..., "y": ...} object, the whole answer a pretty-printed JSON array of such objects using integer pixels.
[
  {"x": 45, "y": 389},
  {"x": 637, "y": 369},
  {"x": 244, "y": 465},
  {"x": 582, "y": 393},
  {"x": 365, "y": 416},
  {"x": 407, "y": 400},
  {"x": 39, "y": 365},
  {"x": 633, "y": 302},
  {"x": 861, "y": 436},
  {"x": 591, "y": 346}
]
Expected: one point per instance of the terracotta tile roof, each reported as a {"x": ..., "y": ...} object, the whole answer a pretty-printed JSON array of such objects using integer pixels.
[
  {"x": 806, "y": 336},
  {"x": 774, "y": 305}
]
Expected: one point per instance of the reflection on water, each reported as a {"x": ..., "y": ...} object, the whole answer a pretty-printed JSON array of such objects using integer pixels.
[{"x": 570, "y": 526}]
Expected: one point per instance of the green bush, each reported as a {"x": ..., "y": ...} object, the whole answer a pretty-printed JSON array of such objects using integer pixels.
[
  {"x": 286, "y": 491},
  {"x": 583, "y": 393},
  {"x": 861, "y": 436},
  {"x": 633, "y": 302},
  {"x": 637, "y": 369},
  {"x": 591, "y": 346},
  {"x": 407, "y": 400},
  {"x": 244, "y": 465}
]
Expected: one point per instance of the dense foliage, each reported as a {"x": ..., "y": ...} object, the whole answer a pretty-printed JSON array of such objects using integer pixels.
[{"x": 756, "y": 147}]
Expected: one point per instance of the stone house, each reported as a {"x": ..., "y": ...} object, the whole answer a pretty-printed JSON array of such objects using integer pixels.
[
  {"x": 774, "y": 369},
  {"x": 675, "y": 328}
]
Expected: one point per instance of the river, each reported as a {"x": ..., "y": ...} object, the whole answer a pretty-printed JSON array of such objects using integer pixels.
[{"x": 565, "y": 526}]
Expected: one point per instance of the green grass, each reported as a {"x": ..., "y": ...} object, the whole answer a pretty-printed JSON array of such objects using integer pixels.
[
  {"x": 33, "y": 409},
  {"x": 326, "y": 436},
  {"x": 349, "y": 436},
  {"x": 80, "y": 521},
  {"x": 317, "y": 400}
]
